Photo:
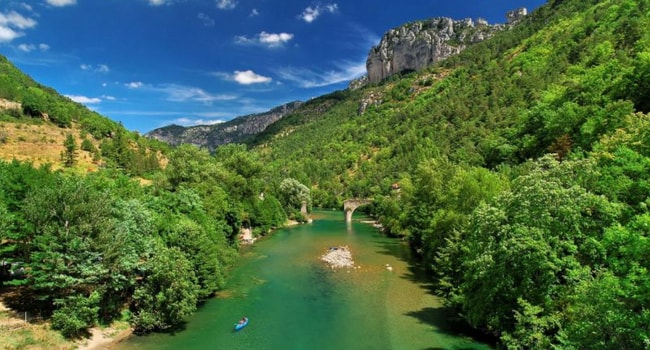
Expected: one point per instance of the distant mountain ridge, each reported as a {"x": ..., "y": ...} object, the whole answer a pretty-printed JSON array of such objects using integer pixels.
[{"x": 234, "y": 131}]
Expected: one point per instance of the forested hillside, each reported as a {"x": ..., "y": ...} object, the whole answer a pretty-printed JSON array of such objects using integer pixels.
[
  {"x": 519, "y": 170},
  {"x": 144, "y": 238}
]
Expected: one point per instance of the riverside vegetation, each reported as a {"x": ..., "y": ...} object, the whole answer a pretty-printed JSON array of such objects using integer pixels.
[{"x": 522, "y": 168}]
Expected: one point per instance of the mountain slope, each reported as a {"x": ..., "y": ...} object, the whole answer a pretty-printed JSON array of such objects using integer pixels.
[
  {"x": 518, "y": 95},
  {"x": 234, "y": 131},
  {"x": 518, "y": 171},
  {"x": 100, "y": 141}
]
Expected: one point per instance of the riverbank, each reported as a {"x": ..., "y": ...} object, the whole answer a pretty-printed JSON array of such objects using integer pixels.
[
  {"x": 16, "y": 333},
  {"x": 106, "y": 338},
  {"x": 246, "y": 236}
]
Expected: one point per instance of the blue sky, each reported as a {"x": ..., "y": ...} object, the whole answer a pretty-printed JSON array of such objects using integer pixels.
[{"x": 150, "y": 63}]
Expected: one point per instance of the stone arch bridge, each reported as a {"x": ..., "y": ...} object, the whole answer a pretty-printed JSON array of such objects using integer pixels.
[{"x": 351, "y": 204}]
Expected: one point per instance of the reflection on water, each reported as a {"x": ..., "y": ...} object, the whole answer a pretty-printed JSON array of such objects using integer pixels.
[{"x": 295, "y": 301}]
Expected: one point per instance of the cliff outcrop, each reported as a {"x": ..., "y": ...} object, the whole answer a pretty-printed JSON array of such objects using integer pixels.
[{"x": 416, "y": 45}]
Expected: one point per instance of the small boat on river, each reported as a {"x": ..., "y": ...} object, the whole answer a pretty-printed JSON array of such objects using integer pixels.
[{"x": 241, "y": 324}]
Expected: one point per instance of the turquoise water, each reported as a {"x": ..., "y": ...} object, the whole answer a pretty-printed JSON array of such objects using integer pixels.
[{"x": 294, "y": 301}]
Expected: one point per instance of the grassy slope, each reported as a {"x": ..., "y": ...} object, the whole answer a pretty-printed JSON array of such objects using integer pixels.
[{"x": 41, "y": 144}]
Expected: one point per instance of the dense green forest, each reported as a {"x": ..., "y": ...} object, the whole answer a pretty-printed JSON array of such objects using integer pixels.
[
  {"x": 91, "y": 245},
  {"x": 519, "y": 171}
]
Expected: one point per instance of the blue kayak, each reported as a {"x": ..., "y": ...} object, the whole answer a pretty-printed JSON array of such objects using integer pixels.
[{"x": 241, "y": 324}]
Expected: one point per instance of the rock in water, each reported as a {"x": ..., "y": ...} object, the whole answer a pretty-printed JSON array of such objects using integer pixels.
[{"x": 338, "y": 257}]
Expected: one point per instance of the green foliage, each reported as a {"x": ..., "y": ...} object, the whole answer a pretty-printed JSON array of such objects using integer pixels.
[
  {"x": 167, "y": 293},
  {"x": 294, "y": 195},
  {"x": 529, "y": 249},
  {"x": 69, "y": 154},
  {"x": 76, "y": 314}
]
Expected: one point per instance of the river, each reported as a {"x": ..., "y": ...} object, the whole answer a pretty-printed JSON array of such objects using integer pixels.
[{"x": 294, "y": 301}]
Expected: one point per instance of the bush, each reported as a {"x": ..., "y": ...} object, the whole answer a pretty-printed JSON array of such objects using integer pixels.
[{"x": 76, "y": 315}]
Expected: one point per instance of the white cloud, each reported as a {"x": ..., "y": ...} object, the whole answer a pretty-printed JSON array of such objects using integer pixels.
[
  {"x": 134, "y": 84},
  {"x": 11, "y": 24},
  {"x": 307, "y": 78},
  {"x": 8, "y": 34},
  {"x": 61, "y": 3},
  {"x": 226, "y": 4},
  {"x": 26, "y": 47},
  {"x": 109, "y": 98},
  {"x": 158, "y": 2},
  {"x": 207, "y": 21},
  {"x": 181, "y": 93},
  {"x": 266, "y": 39},
  {"x": 254, "y": 13},
  {"x": 273, "y": 40},
  {"x": 16, "y": 20},
  {"x": 84, "y": 99},
  {"x": 100, "y": 68},
  {"x": 32, "y": 47},
  {"x": 249, "y": 77},
  {"x": 311, "y": 13}
]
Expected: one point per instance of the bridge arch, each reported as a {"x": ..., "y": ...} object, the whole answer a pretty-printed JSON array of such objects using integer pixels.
[{"x": 350, "y": 205}]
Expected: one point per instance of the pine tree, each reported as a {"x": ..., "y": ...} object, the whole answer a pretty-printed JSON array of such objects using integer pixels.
[{"x": 69, "y": 154}]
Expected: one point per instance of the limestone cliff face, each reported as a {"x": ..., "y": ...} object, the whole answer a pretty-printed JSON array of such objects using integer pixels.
[
  {"x": 233, "y": 131},
  {"x": 416, "y": 45}
]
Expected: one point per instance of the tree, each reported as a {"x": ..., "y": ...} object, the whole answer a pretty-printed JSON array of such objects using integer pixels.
[
  {"x": 167, "y": 293},
  {"x": 293, "y": 194},
  {"x": 69, "y": 154},
  {"x": 67, "y": 220},
  {"x": 526, "y": 251}
]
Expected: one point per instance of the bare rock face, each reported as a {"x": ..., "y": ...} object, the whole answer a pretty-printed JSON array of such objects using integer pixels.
[
  {"x": 515, "y": 16},
  {"x": 416, "y": 45}
]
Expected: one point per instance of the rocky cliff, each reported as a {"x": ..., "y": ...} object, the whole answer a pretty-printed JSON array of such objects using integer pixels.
[
  {"x": 233, "y": 131},
  {"x": 419, "y": 44}
]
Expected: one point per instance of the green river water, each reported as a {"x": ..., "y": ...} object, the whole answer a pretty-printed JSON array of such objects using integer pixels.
[{"x": 294, "y": 301}]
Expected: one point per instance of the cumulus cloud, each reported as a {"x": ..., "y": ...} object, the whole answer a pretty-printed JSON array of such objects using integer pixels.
[
  {"x": 266, "y": 39},
  {"x": 308, "y": 78},
  {"x": 16, "y": 20},
  {"x": 249, "y": 77},
  {"x": 84, "y": 99},
  {"x": 226, "y": 4},
  {"x": 134, "y": 85},
  {"x": 61, "y": 3},
  {"x": 311, "y": 13},
  {"x": 11, "y": 25}
]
